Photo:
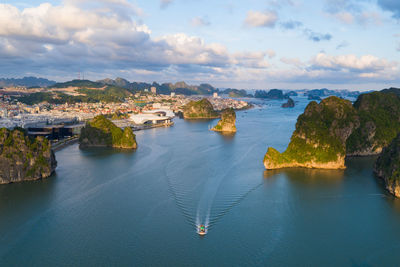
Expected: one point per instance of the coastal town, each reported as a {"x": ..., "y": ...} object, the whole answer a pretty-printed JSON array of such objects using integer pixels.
[{"x": 14, "y": 113}]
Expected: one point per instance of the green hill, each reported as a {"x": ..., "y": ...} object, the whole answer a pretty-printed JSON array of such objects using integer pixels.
[
  {"x": 79, "y": 84},
  {"x": 101, "y": 132},
  {"x": 201, "y": 109}
]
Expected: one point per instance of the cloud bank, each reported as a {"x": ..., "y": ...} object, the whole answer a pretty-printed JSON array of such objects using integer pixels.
[{"x": 106, "y": 38}]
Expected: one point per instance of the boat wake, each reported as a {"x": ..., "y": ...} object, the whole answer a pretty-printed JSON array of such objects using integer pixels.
[{"x": 208, "y": 194}]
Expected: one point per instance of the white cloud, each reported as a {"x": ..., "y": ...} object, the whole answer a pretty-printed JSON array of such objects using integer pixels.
[
  {"x": 57, "y": 40},
  {"x": 271, "y": 53},
  {"x": 350, "y": 12},
  {"x": 344, "y": 17},
  {"x": 199, "y": 22},
  {"x": 351, "y": 62},
  {"x": 261, "y": 19},
  {"x": 293, "y": 61},
  {"x": 63, "y": 37},
  {"x": 251, "y": 60}
]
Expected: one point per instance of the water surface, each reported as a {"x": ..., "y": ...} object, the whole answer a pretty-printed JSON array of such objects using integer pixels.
[{"x": 106, "y": 207}]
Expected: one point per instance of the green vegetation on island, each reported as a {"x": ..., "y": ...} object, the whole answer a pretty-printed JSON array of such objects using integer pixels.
[
  {"x": 227, "y": 122},
  {"x": 328, "y": 132},
  {"x": 379, "y": 114},
  {"x": 319, "y": 140},
  {"x": 387, "y": 166},
  {"x": 201, "y": 109},
  {"x": 101, "y": 132},
  {"x": 23, "y": 158}
]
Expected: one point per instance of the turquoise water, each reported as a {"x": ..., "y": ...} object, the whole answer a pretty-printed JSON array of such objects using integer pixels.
[{"x": 106, "y": 207}]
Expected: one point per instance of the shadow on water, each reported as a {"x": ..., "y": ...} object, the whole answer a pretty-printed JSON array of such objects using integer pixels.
[
  {"x": 20, "y": 203},
  {"x": 308, "y": 176},
  {"x": 103, "y": 152},
  {"x": 227, "y": 137},
  {"x": 22, "y": 192}
]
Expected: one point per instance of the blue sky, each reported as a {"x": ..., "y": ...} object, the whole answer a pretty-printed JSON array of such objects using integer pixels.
[{"x": 291, "y": 44}]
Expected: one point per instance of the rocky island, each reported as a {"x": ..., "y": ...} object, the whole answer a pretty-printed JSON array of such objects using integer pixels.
[
  {"x": 227, "y": 122},
  {"x": 319, "y": 140},
  {"x": 289, "y": 103},
  {"x": 274, "y": 94},
  {"x": 328, "y": 132},
  {"x": 101, "y": 132},
  {"x": 23, "y": 158},
  {"x": 379, "y": 114},
  {"x": 387, "y": 166},
  {"x": 201, "y": 109}
]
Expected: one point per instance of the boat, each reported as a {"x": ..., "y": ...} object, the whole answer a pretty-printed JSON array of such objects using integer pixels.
[{"x": 201, "y": 229}]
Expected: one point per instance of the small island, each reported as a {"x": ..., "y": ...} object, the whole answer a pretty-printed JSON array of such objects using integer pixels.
[
  {"x": 101, "y": 132},
  {"x": 227, "y": 122},
  {"x": 201, "y": 109},
  {"x": 289, "y": 103},
  {"x": 273, "y": 94},
  {"x": 23, "y": 158},
  {"x": 387, "y": 166}
]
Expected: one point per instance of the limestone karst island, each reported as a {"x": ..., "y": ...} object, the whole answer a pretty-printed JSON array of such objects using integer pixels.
[
  {"x": 201, "y": 109},
  {"x": 24, "y": 158},
  {"x": 227, "y": 122},
  {"x": 335, "y": 128},
  {"x": 101, "y": 132}
]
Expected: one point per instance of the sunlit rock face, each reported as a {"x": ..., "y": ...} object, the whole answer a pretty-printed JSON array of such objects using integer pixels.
[
  {"x": 319, "y": 140},
  {"x": 227, "y": 122}
]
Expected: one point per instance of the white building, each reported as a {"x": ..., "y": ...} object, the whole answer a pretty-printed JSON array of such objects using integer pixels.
[{"x": 153, "y": 117}]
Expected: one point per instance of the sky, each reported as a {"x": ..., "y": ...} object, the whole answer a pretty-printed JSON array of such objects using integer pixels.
[{"x": 252, "y": 44}]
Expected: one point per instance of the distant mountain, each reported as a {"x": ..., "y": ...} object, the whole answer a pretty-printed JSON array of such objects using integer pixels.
[
  {"x": 79, "y": 84},
  {"x": 236, "y": 92},
  {"x": 117, "y": 82},
  {"x": 271, "y": 94},
  {"x": 165, "y": 88},
  {"x": 314, "y": 93},
  {"x": 26, "y": 81}
]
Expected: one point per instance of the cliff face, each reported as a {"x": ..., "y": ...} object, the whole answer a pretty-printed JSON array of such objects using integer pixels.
[
  {"x": 387, "y": 166},
  {"x": 202, "y": 109},
  {"x": 319, "y": 140},
  {"x": 227, "y": 122},
  {"x": 23, "y": 158},
  {"x": 101, "y": 132},
  {"x": 379, "y": 114},
  {"x": 362, "y": 129}
]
